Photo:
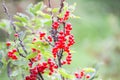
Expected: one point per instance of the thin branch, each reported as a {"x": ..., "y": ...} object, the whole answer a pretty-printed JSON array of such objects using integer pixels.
[
  {"x": 20, "y": 53},
  {"x": 48, "y": 42},
  {"x": 13, "y": 25},
  {"x": 41, "y": 76},
  {"x": 49, "y": 3},
  {"x": 61, "y": 5},
  {"x": 9, "y": 70},
  {"x": 59, "y": 55},
  {"x": 38, "y": 77}
]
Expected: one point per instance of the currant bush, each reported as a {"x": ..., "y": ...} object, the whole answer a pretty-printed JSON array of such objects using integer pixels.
[{"x": 45, "y": 44}]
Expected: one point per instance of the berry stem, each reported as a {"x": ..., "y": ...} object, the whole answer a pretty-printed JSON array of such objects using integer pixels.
[
  {"x": 41, "y": 76},
  {"x": 48, "y": 42},
  {"x": 61, "y": 5}
]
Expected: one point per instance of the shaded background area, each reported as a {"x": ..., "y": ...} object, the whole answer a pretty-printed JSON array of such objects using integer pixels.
[{"x": 97, "y": 34}]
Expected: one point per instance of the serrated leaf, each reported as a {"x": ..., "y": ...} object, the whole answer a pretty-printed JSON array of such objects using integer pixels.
[
  {"x": 38, "y": 6},
  {"x": 29, "y": 8},
  {"x": 23, "y": 15},
  {"x": 48, "y": 23},
  {"x": 33, "y": 9},
  {"x": 16, "y": 53},
  {"x": 47, "y": 55},
  {"x": 37, "y": 23},
  {"x": 18, "y": 23},
  {"x": 89, "y": 69},
  {"x": 44, "y": 14},
  {"x": 22, "y": 19},
  {"x": 30, "y": 45},
  {"x": 31, "y": 55},
  {"x": 65, "y": 74},
  {"x": 42, "y": 44},
  {"x": 55, "y": 10}
]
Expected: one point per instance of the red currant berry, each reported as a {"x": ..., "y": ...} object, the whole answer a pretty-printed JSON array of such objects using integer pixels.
[
  {"x": 14, "y": 50},
  {"x": 87, "y": 76},
  {"x": 16, "y": 35},
  {"x": 8, "y": 44},
  {"x": 50, "y": 38}
]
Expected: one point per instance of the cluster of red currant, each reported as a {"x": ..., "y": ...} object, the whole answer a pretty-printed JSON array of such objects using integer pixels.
[
  {"x": 81, "y": 75},
  {"x": 11, "y": 54},
  {"x": 62, "y": 40},
  {"x": 40, "y": 69}
]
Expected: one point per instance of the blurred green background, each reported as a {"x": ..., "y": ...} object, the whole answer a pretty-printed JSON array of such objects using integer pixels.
[{"x": 97, "y": 35}]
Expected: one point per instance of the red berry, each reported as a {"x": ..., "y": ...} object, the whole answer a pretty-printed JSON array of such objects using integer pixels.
[
  {"x": 50, "y": 38},
  {"x": 27, "y": 78},
  {"x": 63, "y": 62},
  {"x": 49, "y": 61},
  {"x": 61, "y": 20},
  {"x": 55, "y": 25},
  {"x": 34, "y": 50},
  {"x": 14, "y": 57},
  {"x": 66, "y": 15},
  {"x": 87, "y": 76},
  {"x": 44, "y": 63},
  {"x": 77, "y": 75},
  {"x": 14, "y": 50},
  {"x": 30, "y": 64},
  {"x": 16, "y": 35},
  {"x": 50, "y": 73},
  {"x": 8, "y": 44},
  {"x": 42, "y": 34},
  {"x": 34, "y": 39},
  {"x": 10, "y": 53},
  {"x": 55, "y": 66},
  {"x": 82, "y": 73}
]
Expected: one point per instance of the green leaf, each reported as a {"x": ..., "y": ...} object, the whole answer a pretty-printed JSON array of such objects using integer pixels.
[
  {"x": 2, "y": 24},
  {"x": 37, "y": 23},
  {"x": 31, "y": 55},
  {"x": 55, "y": 10},
  {"x": 47, "y": 55},
  {"x": 38, "y": 6},
  {"x": 89, "y": 69},
  {"x": 44, "y": 14},
  {"x": 20, "y": 18},
  {"x": 30, "y": 9},
  {"x": 47, "y": 22},
  {"x": 33, "y": 9},
  {"x": 65, "y": 74},
  {"x": 18, "y": 23}
]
